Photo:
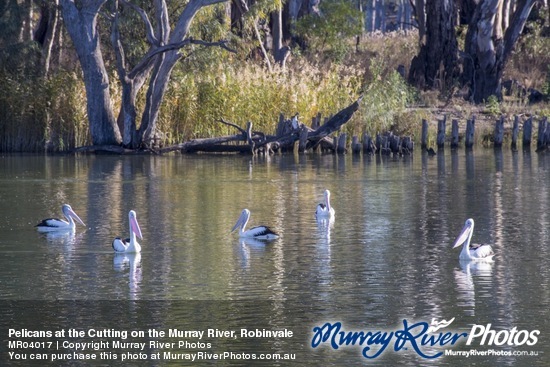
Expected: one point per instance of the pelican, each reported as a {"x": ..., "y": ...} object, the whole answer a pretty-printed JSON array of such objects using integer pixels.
[
  {"x": 472, "y": 251},
  {"x": 260, "y": 232},
  {"x": 324, "y": 210},
  {"x": 54, "y": 224},
  {"x": 129, "y": 244}
]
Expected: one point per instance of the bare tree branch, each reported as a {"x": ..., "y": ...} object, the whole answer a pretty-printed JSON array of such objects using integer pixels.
[
  {"x": 163, "y": 21},
  {"x": 174, "y": 46},
  {"x": 264, "y": 52},
  {"x": 233, "y": 125},
  {"x": 148, "y": 27},
  {"x": 523, "y": 9},
  {"x": 119, "y": 50}
]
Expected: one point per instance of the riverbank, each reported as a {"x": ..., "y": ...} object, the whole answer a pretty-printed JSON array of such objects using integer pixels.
[{"x": 49, "y": 114}]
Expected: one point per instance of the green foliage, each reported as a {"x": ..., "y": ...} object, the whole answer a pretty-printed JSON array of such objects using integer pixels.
[
  {"x": 492, "y": 106},
  {"x": 20, "y": 58},
  {"x": 386, "y": 96},
  {"x": 338, "y": 20}
]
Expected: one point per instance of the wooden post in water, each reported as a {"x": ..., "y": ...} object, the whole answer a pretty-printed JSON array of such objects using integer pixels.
[
  {"x": 302, "y": 142},
  {"x": 341, "y": 147},
  {"x": 368, "y": 145},
  {"x": 470, "y": 132},
  {"x": 499, "y": 132},
  {"x": 454, "y": 134},
  {"x": 527, "y": 132},
  {"x": 424, "y": 139},
  {"x": 355, "y": 145},
  {"x": 382, "y": 144},
  {"x": 441, "y": 132},
  {"x": 515, "y": 132},
  {"x": 542, "y": 141},
  {"x": 395, "y": 144},
  {"x": 407, "y": 145}
]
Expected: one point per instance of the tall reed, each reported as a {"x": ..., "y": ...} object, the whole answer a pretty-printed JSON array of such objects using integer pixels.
[{"x": 38, "y": 115}]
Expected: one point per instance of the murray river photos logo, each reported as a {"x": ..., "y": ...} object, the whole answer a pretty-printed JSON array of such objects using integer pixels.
[{"x": 427, "y": 340}]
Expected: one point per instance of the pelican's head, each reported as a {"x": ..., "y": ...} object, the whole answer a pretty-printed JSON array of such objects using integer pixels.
[
  {"x": 134, "y": 226},
  {"x": 243, "y": 219},
  {"x": 327, "y": 195},
  {"x": 69, "y": 212},
  {"x": 465, "y": 233}
]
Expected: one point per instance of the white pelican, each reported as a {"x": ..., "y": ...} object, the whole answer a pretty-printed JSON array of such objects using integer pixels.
[
  {"x": 472, "y": 251},
  {"x": 54, "y": 224},
  {"x": 260, "y": 232},
  {"x": 129, "y": 244},
  {"x": 324, "y": 210}
]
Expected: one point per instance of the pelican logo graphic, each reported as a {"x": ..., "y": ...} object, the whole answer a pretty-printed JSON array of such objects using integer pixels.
[{"x": 439, "y": 325}]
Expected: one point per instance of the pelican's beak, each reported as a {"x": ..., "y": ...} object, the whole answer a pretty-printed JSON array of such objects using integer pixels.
[
  {"x": 75, "y": 217},
  {"x": 463, "y": 235},
  {"x": 239, "y": 222},
  {"x": 135, "y": 227}
]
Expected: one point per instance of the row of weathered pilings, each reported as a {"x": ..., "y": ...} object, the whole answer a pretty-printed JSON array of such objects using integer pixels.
[
  {"x": 497, "y": 139},
  {"x": 391, "y": 144},
  {"x": 384, "y": 144}
]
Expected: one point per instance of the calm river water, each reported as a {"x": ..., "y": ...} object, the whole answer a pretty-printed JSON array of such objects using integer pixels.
[{"x": 386, "y": 258}]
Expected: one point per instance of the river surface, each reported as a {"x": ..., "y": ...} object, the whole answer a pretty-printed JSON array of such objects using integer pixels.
[{"x": 384, "y": 263}]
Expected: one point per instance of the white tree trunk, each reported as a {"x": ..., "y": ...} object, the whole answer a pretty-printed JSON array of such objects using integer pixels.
[{"x": 81, "y": 23}]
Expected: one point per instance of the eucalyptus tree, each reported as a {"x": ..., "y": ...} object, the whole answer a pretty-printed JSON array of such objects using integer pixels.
[
  {"x": 493, "y": 31},
  {"x": 154, "y": 68},
  {"x": 262, "y": 18},
  {"x": 492, "y": 34},
  {"x": 435, "y": 66},
  {"x": 81, "y": 23}
]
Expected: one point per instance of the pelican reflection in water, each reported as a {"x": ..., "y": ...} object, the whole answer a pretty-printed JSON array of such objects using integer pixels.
[
  {"x": 132, "y": 261},
  {"x": 466, "y": 278}
]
